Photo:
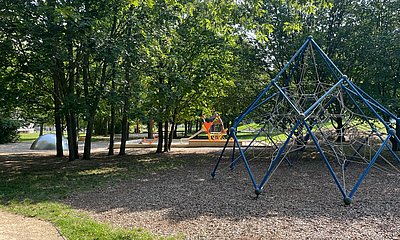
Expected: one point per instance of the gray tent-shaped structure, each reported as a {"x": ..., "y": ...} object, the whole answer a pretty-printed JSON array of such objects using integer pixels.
[
  {"x": 47, "y": 142},
  {"x": 311, "y": 104}
]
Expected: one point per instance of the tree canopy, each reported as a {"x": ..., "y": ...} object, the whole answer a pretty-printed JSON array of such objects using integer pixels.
[{"x": 76, "y": 63}]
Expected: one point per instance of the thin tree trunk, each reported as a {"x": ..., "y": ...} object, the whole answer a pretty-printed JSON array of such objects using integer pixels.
[
  {"x": 112, "y": 130},
  {"x": 58, "y": 74},
  {"x": 111, "y": 127},
  {"x": 197, "y": 125},
  {"x": 126, "y": 94},
  {"x": 175, "y": 131},
  {"x": 160, "y": 137},
  {"x": 75, "y": 135},
  {"x": 186, "y": 129},
  {"x": 71, "y": 140},
  {"x": 124, "y": 133},
  {"x": 88, "y": 138},
  {"x": 172, "y": 132},
  {"x": 339, "y": 129},
  {"x": 395, "y": 144},
  {"x": 166, "y": 136},
  {"x": 71, "y": 115},
  {"x": 41, "y": 129},
  {"x": 150, "y": 126},
  {"x": 59, "y": 131},
  {"x": 190, "y": 127}
]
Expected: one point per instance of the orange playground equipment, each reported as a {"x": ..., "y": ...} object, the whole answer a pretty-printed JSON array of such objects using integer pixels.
[{"x": 213, "y": 127}]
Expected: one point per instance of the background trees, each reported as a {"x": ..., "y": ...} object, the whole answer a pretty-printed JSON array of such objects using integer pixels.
[{"x": 75, "y": 63}]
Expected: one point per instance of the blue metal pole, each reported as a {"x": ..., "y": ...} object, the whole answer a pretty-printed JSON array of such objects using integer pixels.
[
  {"x": 278, "y": 155},
  {"x": 323, "y": 97},
  {"x": 251, "y": 106},
  {"x": 253, "y": 181},
  {"x": 294, "y": 56},
  {"x": 326, "y": 161},
  {"x": 328, "y": 65},
  {"x": 376, "y": 103},
  {"x": 348, "y": 91},
  {"x": 377, "y": 154},
  {"x": 287, "y": 99},
  {"x": 398, "y": 142},
  {"x": 213, "y": 173},
  {"x": 247, "y": 147},
  {"x": 295, "y": 66},
  {"x": 366, "y": 103},
  {"x": 264, "y": 101},
  {"x": 373, "y": 103},
  {"x": 233, "y": 155},
  {"x": 323, "y": 54}
]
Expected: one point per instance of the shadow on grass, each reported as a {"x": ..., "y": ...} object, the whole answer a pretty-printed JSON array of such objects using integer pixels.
[{"x": 40, "y": 178}]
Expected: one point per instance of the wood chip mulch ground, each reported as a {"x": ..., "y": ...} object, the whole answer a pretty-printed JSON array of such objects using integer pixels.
[{"x": 299, "y": 202}]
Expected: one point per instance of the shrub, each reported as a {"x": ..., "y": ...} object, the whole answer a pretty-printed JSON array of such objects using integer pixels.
[{"x": 8, "y": 130}]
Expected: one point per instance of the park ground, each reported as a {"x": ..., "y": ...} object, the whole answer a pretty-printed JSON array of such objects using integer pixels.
[{"x": 144, "y": 195}]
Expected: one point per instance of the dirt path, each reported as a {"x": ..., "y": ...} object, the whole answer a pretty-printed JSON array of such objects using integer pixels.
[{"x": 22, "y": 228}]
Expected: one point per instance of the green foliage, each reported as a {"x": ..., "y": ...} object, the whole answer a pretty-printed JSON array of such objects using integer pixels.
[
  {"x": 8, "y": 130},
  {"x": 176, "y": 59}
]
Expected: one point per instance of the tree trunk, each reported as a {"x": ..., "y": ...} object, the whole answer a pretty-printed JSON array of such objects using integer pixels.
[
  {"x": 339, "y": 129},
  {"x": 190, "y": 130},
  {"x": 137, "y": 127},
  {"x": 175, "y": 131},
  {"x": 186, "y": 129},
  {"x": 41, "y": 129},
  {"x": 111, "y": 127},
  {"x": 88, "y": 138},
  {"x": 198, "y": 125},
  {"x": 160, "y": 137},
  {"x": 166, "y": 136},
  {"x": 150, "y": 126},
  {"x": 59, "y": 131},
  {"x": 124, "y": 134},
  {"x": 72, "y": 146},
  {"x": 58, "y": 75},
  {"x": 395, "y": 144},
  {"x": 112, "y": 130},
  {"x": 172, "y": 133},
  {"x": 70, "y": 93},
  {"x": 228, "y": 127}
]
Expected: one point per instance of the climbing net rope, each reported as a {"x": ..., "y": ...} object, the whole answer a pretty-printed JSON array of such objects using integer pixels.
[{"x": 311, "y": 106}]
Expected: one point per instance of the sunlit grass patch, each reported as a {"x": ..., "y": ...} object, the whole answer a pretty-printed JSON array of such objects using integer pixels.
[
  {"x": 105, "y": 170},
  {"x": 76, "y": 225}
]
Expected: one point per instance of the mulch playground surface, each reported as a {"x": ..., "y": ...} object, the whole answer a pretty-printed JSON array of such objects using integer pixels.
[{"x": 299, "y": 202}]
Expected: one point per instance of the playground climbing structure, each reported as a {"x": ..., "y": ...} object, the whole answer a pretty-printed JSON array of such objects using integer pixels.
[{"x": 312, "y": 105}]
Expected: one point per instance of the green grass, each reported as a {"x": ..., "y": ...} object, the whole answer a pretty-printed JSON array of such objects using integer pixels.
[
  {"x": 35, "y": 186},
  {"x": 75, "y": 225},
  {"x": 31, "y": 137},
  {"x": 28, "y": 137}
]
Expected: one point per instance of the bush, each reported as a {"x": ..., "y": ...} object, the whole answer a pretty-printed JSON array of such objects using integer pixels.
[{"x": 8, "y": 130}]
